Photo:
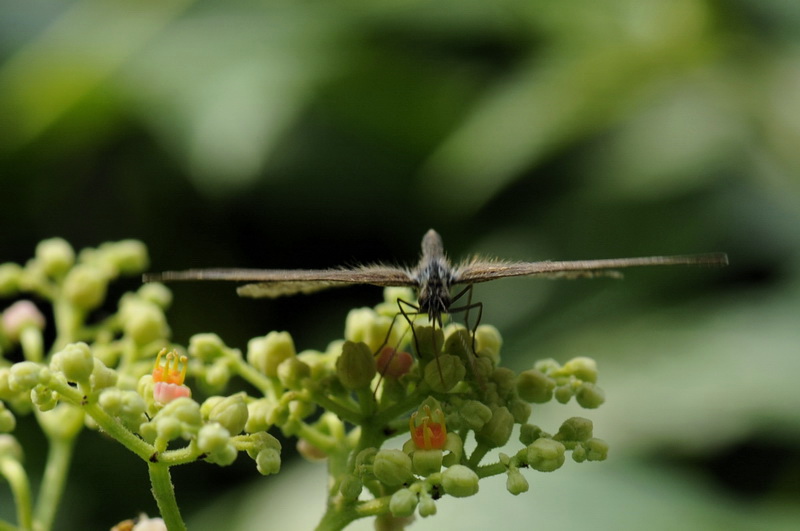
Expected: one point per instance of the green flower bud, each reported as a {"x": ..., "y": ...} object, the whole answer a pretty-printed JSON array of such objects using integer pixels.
[
  {"x": 392, "y": 467},
  {"x": 403, "y": 503},
  {"x": 366, "y": 458},
  {"x": 505, "y": 379},
  {"x": 206, "y": 347},
  {"x": 257, "y": 412},
  {"x": 266, "y": 353},
  {"x": 475, "y": 414},
  {"x": 7, "y": 420},
  {"x": 24, "y": 376},
  {"x": 212, "y": 437},
  {"x": 75, "y": 361},
  {"x": 156, "y": 293},
  {"x": 224, "y": 456},
  {"x": 444, "y": 372},
  {"x": 128, "y": 406},
  {"x": 497, "y": 431},
  {"x": 6, "y": 393},
  {"x": 582, "y": 368},
  {"x": 515, "y": 482},
  {"x": 576, "y": 429},
  {"x": 579, "y": 453},
  {"x": 430, "y": 341},
  {"x": 351, "y": 487},
  {"x": 545, "y": 455},
  {"x": 590, "y": 396},
  {"x": 126, "y": 257},
  {"x": 300, "y": 409},
  {"x": 520, "y": 410},
  {"x": 169, "y": 428},
  {"x": 426, "y": 462},
  {"x": 564, "y": 393},
  {"x": 355, "y": 367},
  {"x": 111, "y": 401},
  {"x": 534, "y": 386},
  {"x": 489, "y": 341},
  {"x": 460, "y": 481},
  {"x": 10, "y": 448},
  {"x": 218, "y": 374},
  {"x": 143, "y": 321},
  {"x": 364, "y": 325},
  {"x": 102, "y": 377},
  {"x": 455, "y": 448},
  {"x": 268, "y": 461},
  {"x": 529, "y": 433},
  {"x": 292, "y": 372},
  {"x": 85, "y": 286},
  {"x": 458, "y": 342},
  {"x": 231, "y": 413},
  {"x": 44, "y": 398},
  {"x": 56, "y": 256},
  {"x": 596, "y": 449},
  {"x": 10, "y": 278},
  {"x": 179, "y": 418},
  {"x": 427, "y": 506}
]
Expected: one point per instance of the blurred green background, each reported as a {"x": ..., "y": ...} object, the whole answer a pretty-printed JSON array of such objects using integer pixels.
[{"x": 262, "y": 133}]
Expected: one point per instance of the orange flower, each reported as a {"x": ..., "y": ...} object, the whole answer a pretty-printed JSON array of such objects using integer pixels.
[
  {"x": 169, "y": 377},
  {"x": 431, "y": 432}
]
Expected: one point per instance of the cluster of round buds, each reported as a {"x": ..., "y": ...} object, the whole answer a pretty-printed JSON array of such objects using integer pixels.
[{"x": 168, "y": 377}]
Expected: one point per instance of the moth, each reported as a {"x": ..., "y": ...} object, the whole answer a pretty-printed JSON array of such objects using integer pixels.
[{"x": 433, "y": 277}]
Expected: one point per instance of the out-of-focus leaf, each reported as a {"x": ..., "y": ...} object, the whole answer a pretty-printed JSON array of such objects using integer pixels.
[{"x": 66, "y": 62}]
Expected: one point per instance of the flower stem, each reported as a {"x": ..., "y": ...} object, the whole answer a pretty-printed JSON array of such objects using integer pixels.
[
  {"x": 479, "y": 453},
  {"x": 337, "y": 517},
  {"x": 53, "y": 481},
  {"x": 68, "y": 321},
  {"x": 13, "y": 471},
  {"x": 164, "y": 493}
]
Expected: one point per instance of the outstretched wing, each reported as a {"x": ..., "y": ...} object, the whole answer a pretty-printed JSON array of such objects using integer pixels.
[
  {"x": 280, "y": 282},
  {"x": 482, "y": 270}
]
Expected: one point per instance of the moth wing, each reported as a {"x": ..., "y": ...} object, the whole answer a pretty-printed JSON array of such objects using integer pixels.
[
  {"x": 482, "y": 270},
  {"x": 281, "y": 282}
]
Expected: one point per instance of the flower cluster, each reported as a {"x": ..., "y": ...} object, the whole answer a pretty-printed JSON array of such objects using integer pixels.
[{"x": 391, "y": 375}]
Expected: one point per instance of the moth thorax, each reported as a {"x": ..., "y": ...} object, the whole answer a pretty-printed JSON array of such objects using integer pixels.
[{"x": 434, "y": 291}]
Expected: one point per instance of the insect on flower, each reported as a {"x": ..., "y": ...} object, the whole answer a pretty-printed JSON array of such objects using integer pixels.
[
  {"x": 169, "y": 377},
  {"x": 433, "y": 277}
]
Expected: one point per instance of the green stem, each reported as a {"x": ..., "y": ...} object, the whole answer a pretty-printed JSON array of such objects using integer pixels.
[
  {"x": 336, "y": 517},
  {"x": 68, "y": 320},
  {"x": 253, "y": 376},
  {"x": 399, "y": 408},
  {"x": 21, "y": 489},
  {"x": 119, "y": 432},
  {"x": 491, "y": 470},
  {"x": 55, "y": 477},
  {"x": 334, "y": 407},
  {"x": 108, "y": 423},
  {"x": 164, "y": 493},
  {"x": 5, "y": 526},
  {"x": 32, "y": 343},
  {"x": 480, "y": 452},
  {"x": 367, "y": 402}
]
